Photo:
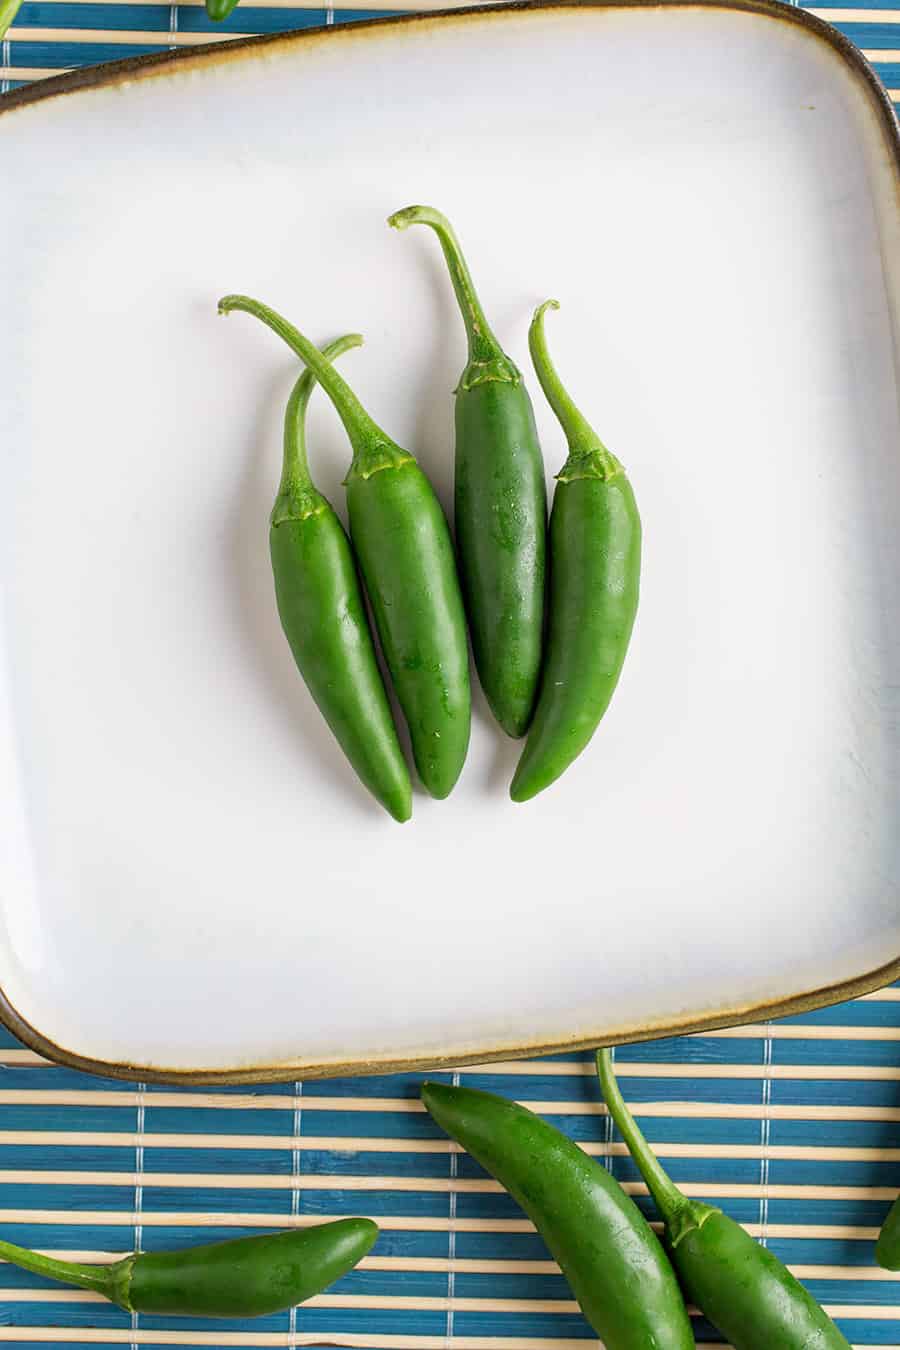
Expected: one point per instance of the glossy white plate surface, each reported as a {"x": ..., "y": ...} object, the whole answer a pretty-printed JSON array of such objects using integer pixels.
[{"x": 191, "y": 878}]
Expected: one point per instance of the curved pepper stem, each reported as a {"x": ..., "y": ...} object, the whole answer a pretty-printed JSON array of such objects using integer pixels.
[
  {"x": 297, "y": 495},
  {"x": 111, "y": 1280},
  {"x": 678, "y": 1212},
  {"x": 487, "y": 359},
  {"x": 372, "y": 449},
  {"x": 588, "y": 456}
]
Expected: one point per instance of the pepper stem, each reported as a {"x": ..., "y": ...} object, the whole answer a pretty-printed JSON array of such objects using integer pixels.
[
  {"x": 372, "y": 449},
  {"x": 588, "y": 456},
  {"x": 297, "y": 495},
  {"x": 487, "y": 360},
  {"x": 109, "y": 1280},
  {"x": 669, "y": 1200}
]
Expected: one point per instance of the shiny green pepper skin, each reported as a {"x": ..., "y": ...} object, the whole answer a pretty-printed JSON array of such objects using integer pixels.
[
  {"x": 323, "y": 615},
  {"x": 887, "y": 1249},
  {"x": 607, "y": 1251},
  {"x": 745, "y": 1290},
  {"x": 218, "y": 10},
  {"x": 244, "y": 1277},
  {"x": 500, "y": 499},
  {"x": 406, "y": 555},
  {"x": 500, "y": 513},
  {"x": 742, "y": 1287},
  {"x": 595, "y": 566}
]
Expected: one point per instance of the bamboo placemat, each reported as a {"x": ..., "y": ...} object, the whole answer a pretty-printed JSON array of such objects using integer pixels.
[{"x": 793, "y": 1127}]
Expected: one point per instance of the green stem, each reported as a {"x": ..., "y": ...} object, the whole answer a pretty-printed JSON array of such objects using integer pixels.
[
  {"x": 109, "y": 1280},
  {"x": 487, "y": 360},
  {"x": 372, "y": 449},
  {"x": 588, "y": 456},
  {"x": 669, "y": 1200},
  {"x": 8, "y": 11},
  {"x": 297, "y": 495}
]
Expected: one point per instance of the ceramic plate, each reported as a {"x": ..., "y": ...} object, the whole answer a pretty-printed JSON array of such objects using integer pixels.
[{"x": 192, "y": 881}]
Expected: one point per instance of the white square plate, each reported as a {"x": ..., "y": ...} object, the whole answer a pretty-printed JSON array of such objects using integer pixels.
[{"x": 192, "y": 881}]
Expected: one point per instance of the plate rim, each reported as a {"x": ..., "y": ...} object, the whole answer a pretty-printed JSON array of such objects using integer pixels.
[
  {"x": 454, "y": 1057},
  {"x": 111, "y": 74}
]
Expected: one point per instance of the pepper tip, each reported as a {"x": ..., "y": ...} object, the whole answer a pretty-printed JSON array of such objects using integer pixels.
[
  {"x": 401, "y": 810},
  {"x": 220, "y": 9},
  {"x": 521, "y": 791}
]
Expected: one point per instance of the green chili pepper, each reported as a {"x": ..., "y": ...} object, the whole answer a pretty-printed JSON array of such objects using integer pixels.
[
  {"x": 500, "y": 502},
  {"x": 742, "y": 1288},
  {"x": 887, "y": 1249},
  {"x": 220, "y": 9},
  {"x": 595, "y": 561},
  {"x": 406, "y": 555},
  {"x": 244, "y": 1277},
  {"x": 323, "y": 616},
  {"x": 607, "y": 1251},
  {"x": 8, "y": 11}
]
